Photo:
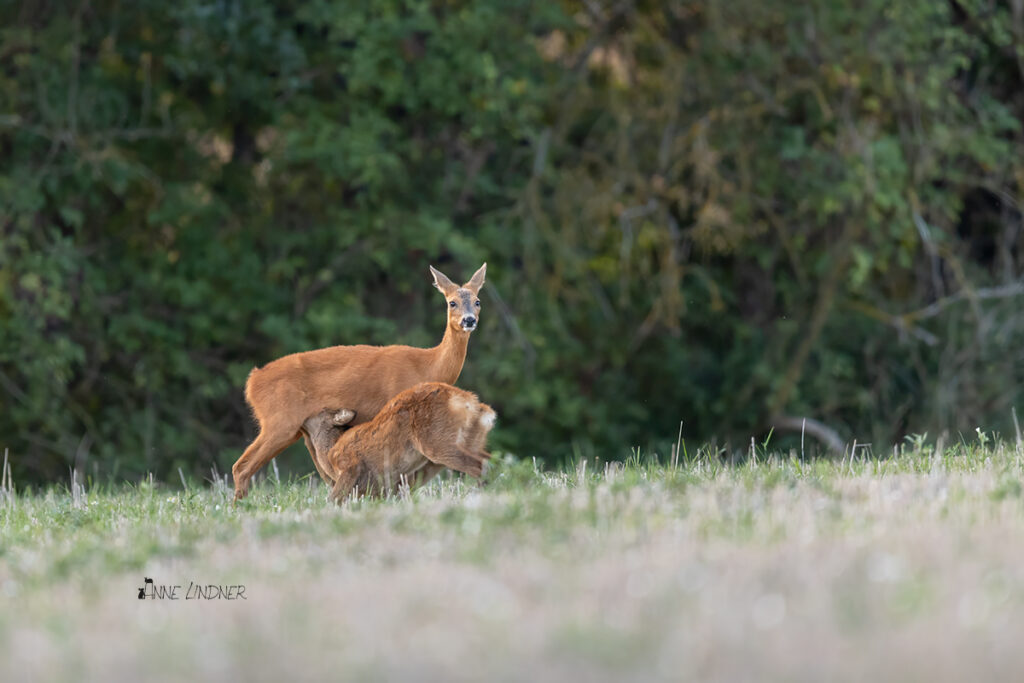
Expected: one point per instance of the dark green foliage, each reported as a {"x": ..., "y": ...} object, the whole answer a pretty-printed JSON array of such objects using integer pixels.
[{"x": 712, "y": 212}]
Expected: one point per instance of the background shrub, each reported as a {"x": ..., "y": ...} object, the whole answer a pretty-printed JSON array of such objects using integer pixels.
[{"x": 714, "y": 212}]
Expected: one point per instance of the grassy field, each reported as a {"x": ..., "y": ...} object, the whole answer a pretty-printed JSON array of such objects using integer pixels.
[{"x": 907, "y": 567}]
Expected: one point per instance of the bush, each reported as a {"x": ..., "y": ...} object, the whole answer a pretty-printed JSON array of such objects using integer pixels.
[{"x": 715, "y": 212}]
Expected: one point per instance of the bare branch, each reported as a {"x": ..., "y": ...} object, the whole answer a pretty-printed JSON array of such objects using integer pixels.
[
  {"x": 819, "y": 430},
  {"x": 896, "y": 321},
  {"x": 937, "y": 307}
]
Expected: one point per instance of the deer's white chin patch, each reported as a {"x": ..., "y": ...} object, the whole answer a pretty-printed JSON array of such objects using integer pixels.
[
  {"x": 468, "y": 328},
  {"x": 487, "y": 419}
]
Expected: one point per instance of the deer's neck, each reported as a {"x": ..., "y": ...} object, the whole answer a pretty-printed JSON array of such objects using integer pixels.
[{"x": 450, "y": 354}]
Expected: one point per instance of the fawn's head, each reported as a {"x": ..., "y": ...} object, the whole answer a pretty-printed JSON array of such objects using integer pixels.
[{"x": 463, "y": 302}]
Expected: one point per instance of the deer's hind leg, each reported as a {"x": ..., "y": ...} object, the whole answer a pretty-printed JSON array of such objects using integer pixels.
[{"x": 268, "y": 445}]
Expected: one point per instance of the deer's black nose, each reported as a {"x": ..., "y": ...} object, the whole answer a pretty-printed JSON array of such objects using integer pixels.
[{"x": 469, "y": 321}]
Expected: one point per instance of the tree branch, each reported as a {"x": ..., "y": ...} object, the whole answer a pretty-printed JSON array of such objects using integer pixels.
[
  {"x": 805, "y": 425},
  {"x": 937, "y": 307}
]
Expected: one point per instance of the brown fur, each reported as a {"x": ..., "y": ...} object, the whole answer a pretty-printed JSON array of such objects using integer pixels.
[
  {"x": 419, "y": 432},
  {"x": 361, "y": 379}
]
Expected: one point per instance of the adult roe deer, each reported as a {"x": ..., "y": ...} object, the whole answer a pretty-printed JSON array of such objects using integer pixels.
[
  {"x": 350, "y": 379},
  {"x": 419, "y": 432}
]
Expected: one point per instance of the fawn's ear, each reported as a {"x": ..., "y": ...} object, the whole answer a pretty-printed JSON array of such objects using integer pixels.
[
  {"x": 477, "y": 281},
  {"x": 442, "y": 282}
]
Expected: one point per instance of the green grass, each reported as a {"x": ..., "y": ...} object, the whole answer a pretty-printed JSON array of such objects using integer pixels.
[{"x": 906, "y": 567}]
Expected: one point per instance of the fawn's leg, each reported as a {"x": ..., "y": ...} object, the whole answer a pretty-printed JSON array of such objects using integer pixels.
[
  {"x": 271, "y": 441},
  {"x": 349, "y": 475},
  {"x": 474, "y": 433},
  {"x": 452, "y": 456},
  {"x": 425, "y": 474}
]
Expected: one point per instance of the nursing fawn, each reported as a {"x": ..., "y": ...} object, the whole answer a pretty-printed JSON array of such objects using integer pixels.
[{"x": 418, "y": 433}]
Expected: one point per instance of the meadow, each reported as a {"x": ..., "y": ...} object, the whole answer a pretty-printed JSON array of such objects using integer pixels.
[{"x": 896, "y": 566}]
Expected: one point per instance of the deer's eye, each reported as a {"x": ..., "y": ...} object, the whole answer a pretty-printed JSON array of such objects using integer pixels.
[
  {"x": 451, "y": 304},
  {"x": 478, "y": 303}
]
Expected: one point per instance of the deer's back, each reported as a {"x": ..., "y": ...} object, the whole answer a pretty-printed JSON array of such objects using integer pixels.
[{"x": 361, "y": 378}]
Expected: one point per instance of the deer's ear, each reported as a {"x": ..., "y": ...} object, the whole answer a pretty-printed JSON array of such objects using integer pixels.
[
  {"x": 477, "y": 281},
  {"x": 442, "y": 282}
]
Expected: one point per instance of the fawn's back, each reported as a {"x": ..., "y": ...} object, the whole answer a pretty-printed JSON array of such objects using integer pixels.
[{"x": 430, "y": 423}]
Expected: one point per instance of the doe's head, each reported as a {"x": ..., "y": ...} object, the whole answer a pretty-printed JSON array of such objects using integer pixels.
[{"x": 463, "y": 303}]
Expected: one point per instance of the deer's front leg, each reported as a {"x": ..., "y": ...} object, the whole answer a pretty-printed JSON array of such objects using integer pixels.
[{"x": 319, "y": 460}]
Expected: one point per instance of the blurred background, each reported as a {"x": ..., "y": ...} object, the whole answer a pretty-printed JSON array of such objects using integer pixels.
[{"x": 722, "y": 213}]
